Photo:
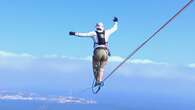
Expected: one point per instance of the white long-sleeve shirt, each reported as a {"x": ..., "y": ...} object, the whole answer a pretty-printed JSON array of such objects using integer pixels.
[{"x": 93, "y": 35}]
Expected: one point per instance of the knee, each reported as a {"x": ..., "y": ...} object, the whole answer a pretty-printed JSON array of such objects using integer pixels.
[{"x": 101, "y": 70}]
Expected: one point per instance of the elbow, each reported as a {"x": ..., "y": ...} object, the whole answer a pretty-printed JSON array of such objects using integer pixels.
[{"x": 115, "y": 28}]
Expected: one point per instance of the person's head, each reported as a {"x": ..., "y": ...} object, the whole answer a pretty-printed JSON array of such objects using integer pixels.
[{"x": 99, "y": 26}]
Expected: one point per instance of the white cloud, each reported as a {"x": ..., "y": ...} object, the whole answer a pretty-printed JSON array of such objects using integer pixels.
[
  {"x": 24, "y": 61},
  {"x": 191, "y": 65},
  {"x": 133, "y": 61},
  {"x": 88, "y": 58},
  {"x": 56, "y": 99},
  {"x": 120, "y": 59},
  {"x": 7, "y": 54},
  {"x": 64, "y": 100},
  {"x": 142, "y": 61},
  {"x": 14, "y": 97},
  {"x": 116, "y": 59},
  {"x": 51, "y": 56},
  {"x": 10, "y": 54},
  {"x": 12, "y": 60}
]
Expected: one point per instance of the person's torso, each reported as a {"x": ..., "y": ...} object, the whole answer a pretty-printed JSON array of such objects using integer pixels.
[{"x": 101, "y": 39}]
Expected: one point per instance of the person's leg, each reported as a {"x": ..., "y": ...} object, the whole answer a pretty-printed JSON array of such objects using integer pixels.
[
  {"x": 95, "y": 66},
  {"x": 103, "y": 62},
  {"x": 100, "y": 74},
  {"x": 96, "y": 63},
  {"x": 99, "y": 61}
]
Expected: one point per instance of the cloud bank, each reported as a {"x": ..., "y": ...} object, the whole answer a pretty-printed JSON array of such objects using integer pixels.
[
  {"x": 24, "y": 69},
  {"x": 11, "y": 54},
  {"x": 25, "y": 61},
  {"x": 4, "y": 54},
  {"x": 55, "y": 99},
  {"x": 192, "y": 65}
]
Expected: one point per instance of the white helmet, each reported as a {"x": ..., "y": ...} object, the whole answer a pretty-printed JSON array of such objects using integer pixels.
[{"x": 99, "y": 26}]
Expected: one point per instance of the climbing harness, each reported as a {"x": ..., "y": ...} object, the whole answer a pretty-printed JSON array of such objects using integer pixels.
[{"x": 101, "y": 38}]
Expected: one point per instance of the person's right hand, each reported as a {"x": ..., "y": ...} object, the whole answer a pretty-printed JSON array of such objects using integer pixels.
[{"x": 72, "y": 33}]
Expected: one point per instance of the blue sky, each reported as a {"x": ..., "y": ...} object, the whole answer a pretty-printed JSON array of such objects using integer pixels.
[{"x": 41, "y": 27}]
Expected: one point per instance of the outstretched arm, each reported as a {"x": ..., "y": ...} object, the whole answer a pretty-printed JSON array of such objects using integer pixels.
[
  {"x": 115, "y": 26},
  {"x": 79, "y": 34}
]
